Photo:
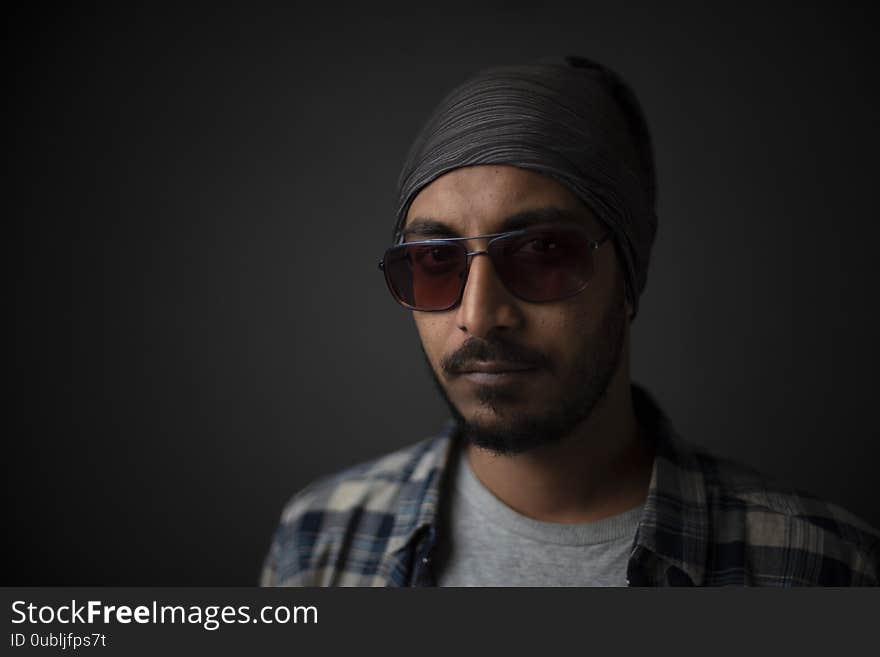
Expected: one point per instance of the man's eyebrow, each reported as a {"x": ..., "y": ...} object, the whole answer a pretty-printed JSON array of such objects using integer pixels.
[
  {"x": 425, "y": 226},
  {"x": 429, "y": 227}
]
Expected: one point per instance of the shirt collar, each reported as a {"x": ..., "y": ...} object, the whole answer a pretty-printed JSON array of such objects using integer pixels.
[
  {"x": 673, "y": 530},
  {"x": 675, "y": 522},
  {"x": 416, "y": 509}
]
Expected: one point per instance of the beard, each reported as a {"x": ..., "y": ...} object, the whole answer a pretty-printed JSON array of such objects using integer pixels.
[{"x": 518, "y": 431}]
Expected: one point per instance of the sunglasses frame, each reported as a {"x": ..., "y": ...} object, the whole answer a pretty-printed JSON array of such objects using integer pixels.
[{"x": 492, "y": 237}]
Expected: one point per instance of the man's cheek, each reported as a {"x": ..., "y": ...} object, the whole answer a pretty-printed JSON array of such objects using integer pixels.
[
  {"x": 434, "y": 353},
  {"x": 435, "y": 347}
]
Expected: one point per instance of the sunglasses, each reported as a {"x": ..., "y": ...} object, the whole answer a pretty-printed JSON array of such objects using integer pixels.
[{"x": 534, "y": 264}]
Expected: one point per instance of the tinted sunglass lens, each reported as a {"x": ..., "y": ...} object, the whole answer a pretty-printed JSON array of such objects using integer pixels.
[
  {"x": 426, "y": 276},
  {"x": 544, "y": 265}
]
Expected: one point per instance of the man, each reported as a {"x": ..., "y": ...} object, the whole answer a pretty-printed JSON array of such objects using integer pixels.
[{"x": 522, "y": 242}]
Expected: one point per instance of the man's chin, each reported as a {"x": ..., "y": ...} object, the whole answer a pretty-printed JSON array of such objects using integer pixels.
[{"x": 508, "y": 436}]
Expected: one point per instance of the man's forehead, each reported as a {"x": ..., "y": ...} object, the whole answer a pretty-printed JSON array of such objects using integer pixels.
[{"x": 492, "y": 195}]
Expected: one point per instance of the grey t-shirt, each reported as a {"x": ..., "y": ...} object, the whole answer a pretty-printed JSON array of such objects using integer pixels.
[{"x": 486, "y": 543}]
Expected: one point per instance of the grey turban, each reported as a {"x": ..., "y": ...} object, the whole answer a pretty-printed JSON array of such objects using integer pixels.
[{"x": 570, "y": 119}]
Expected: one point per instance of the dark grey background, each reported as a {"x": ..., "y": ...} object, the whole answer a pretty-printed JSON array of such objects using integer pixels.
[{"x": 197, "y": 201}]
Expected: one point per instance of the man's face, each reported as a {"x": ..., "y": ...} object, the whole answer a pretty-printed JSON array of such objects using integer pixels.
[{"x": 517, "y": 374}]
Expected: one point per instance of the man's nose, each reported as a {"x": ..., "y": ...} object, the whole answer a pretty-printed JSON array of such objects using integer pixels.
[{"x": 486, "y": 304}]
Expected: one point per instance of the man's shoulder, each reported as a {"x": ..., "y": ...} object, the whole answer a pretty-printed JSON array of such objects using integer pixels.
[
  {"x": 374, "y": 484},
  {"x": 337, "y": 528},
  {"x": 787, "y": 535}
]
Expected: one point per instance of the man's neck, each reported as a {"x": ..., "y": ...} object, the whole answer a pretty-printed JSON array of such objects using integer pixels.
[{"x": 603, "y": 468}]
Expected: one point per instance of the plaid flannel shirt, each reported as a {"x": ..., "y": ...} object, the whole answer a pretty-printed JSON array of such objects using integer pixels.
[{"x": 706, "y": 522}]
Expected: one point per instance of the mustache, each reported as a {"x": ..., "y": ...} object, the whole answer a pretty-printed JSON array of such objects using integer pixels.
[{"x": 486, "y": 351}]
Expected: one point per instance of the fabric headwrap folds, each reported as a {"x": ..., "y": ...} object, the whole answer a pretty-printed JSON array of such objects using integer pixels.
[{"x": 570, "y": 119}]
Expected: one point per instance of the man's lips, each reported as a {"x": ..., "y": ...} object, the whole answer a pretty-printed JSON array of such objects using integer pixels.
[
  {"x": 494, "y": 373},
  {"x": 494, "y": 367}
]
